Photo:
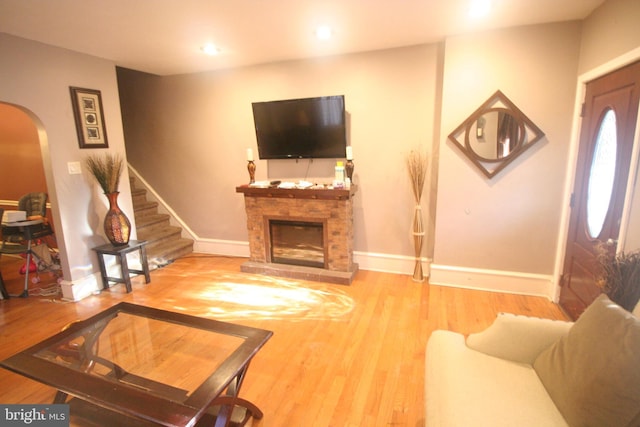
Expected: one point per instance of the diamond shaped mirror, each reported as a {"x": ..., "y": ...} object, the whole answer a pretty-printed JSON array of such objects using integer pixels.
[{"x": 495, "y": 134}]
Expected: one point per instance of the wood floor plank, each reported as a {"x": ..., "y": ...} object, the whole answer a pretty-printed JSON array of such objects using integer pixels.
[{"x": 339, "y": 356}]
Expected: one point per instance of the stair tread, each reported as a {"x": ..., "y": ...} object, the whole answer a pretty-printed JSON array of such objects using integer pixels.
[
  {"x": 168, "y": 249},
  {"x": 177, "y": 243},
  {"x": 144, "y": 204},
  {"x": 151, "y": 219},
  {"x": 141, "y": 209},
  {"x": 169, "y": 229},
  {"x": 159, "y": 233}
]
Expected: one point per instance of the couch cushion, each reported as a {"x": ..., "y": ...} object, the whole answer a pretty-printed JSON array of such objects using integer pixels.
[
  {"x": 467, "y": 388},
  {"x": 593, "y": 373},
  {"x": 518, "y": 338}
]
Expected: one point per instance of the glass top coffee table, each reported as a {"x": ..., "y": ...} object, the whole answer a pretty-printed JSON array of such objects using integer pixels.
[{"x": 149, "y": 365}]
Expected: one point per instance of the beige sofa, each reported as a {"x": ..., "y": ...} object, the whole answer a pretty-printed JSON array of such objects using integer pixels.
[{"x": 525, "y": 371}]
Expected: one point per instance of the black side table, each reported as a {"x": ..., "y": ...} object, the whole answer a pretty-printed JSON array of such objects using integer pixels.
[{"x": 121, "y": 252}]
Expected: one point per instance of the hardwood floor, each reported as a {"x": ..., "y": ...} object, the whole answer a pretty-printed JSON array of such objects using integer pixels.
[{"x": 340, "y": 355}]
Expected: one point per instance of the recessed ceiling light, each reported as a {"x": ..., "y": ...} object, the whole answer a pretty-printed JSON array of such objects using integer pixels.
[
  {"x": 324, "y": 32},
  {"x": 479, "y": 8},
  {"x": 210, "y": 49}
]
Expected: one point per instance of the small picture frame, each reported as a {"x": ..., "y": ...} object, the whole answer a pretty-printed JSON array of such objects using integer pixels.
[{"x": 89, "y": 117}]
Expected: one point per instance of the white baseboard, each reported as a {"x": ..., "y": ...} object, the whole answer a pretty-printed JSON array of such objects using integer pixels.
[
  {"x": 493, "y": 280},
  {"x": 222, "y": 247},
  {"x": 471, "y": 278},
  {"x": 81, "y": 288},
  {"x": 388, "y": 263},
  {"x": 366, "y": 261},
  {"x": 461, "y": 277},
  {"x": 92, "y": 284}
]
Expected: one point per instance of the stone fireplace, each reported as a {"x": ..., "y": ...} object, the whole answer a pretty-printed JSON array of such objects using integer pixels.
[{"x": 306, "y": 234}]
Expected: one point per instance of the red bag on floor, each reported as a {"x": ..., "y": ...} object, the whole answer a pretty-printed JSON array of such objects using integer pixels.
[{"x": 32, "y": 267}]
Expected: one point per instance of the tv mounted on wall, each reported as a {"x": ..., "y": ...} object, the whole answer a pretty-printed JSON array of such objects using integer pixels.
[{"x": 305, "y": 128}]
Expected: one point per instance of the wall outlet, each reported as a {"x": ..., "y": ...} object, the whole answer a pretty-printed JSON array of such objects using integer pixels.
[{"x": 74, "y": 168}]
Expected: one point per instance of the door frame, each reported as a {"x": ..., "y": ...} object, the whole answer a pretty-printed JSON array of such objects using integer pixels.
[{"x": 612, "y": 65}]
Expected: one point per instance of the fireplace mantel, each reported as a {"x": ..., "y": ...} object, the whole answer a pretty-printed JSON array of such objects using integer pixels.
[
  {"x": 297, "y": 193},
  {"x": 331, "y": 207}
]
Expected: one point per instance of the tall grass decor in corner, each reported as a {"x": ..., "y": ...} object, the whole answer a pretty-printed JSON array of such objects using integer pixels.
[
  {"x": 619, "y": 276},
  {"x": 417, "y": 164},
  {"x": 107, "y": 169}
]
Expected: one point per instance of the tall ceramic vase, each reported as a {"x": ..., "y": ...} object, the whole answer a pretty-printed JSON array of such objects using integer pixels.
[
  {"x": 418, "y": 237},
  {"x": 116, "y": 224}
]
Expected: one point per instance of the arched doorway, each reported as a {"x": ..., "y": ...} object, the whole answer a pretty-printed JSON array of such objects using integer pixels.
[
  {"x": 21, "y": 171},
  {"x": 21, "y": 168}
]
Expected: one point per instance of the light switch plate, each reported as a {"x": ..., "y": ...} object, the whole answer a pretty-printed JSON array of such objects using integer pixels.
[{"x": 74, "y": 168}]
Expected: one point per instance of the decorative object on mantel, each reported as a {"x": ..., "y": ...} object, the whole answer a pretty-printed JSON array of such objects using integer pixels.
[
  {"x": 417, "y": 163},
  {"x": 619, "y": 277},
  {"x": 495, "y": 134},
  {"x": 251, "y": 166},
  {"x": 107, "y": 169},
  {"x": 349, "y": 166}
]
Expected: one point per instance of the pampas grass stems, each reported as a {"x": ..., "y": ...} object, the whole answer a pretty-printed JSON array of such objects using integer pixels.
[
  {"x": 417, "y": 162},
  {"x": 417, "y": 168},
  {"x": 620, "y": 277},
  {"x": 107, "y": 170}
]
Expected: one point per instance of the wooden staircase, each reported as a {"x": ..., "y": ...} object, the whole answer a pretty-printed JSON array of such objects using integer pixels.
[{"x": 164, "y": 241}]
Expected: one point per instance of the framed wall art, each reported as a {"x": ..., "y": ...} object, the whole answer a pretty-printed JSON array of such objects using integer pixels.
[{"x": 87, "y": 111}]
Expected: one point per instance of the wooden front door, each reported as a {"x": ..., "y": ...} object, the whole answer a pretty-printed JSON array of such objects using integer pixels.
[{"x": 606, "y": 142}]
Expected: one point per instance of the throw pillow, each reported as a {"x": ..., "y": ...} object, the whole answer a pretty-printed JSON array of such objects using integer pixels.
[
  {"x": 593, "y": 373},
  {"x": 518, "y": 338}
]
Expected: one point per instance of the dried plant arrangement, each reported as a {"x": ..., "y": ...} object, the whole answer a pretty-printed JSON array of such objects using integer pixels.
[
  {"x": 417, "y": 164},
  {"x": 107, "y": 170},
  {"x": 620, "y": 277}
]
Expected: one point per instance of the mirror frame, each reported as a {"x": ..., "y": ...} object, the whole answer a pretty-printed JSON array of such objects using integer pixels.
[{"x": 529, "y": 134}]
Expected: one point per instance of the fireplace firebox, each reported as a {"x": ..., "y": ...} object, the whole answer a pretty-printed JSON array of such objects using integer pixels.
[
  {"x": 297, "y": 243},
  {"x": 300, "y": 233}
]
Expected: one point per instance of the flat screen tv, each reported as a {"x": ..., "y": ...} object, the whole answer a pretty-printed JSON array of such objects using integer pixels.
[{"x": 301, "y": 128}]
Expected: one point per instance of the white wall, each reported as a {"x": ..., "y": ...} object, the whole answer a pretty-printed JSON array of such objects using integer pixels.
[
  {"x": 190, "y": 143},
  {"x": 609, "y": 32},
  {"x": 508, "y": 224},
  {"x": 37, "y": 78}
]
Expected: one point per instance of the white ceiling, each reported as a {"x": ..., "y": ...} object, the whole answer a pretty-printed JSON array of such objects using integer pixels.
[{"x": 164, "y": 36}]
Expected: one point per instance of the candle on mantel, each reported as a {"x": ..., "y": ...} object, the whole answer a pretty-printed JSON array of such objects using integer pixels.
[
  {"x": 249, "y": 155},
  {"x": 349, "y": 153}
]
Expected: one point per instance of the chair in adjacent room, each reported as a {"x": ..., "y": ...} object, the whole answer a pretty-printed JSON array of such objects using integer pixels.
[
  {"x": 17, "y": 238},
  {"x": 34, "y": 204}
]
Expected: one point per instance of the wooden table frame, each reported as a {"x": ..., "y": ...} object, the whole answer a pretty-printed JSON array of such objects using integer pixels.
[
  {"x": 120, "y": 252},
  {"x": 219, "y": 389}
]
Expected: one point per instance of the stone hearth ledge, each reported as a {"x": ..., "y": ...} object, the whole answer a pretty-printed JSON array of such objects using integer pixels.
[{"x": 301, "y": 272}]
